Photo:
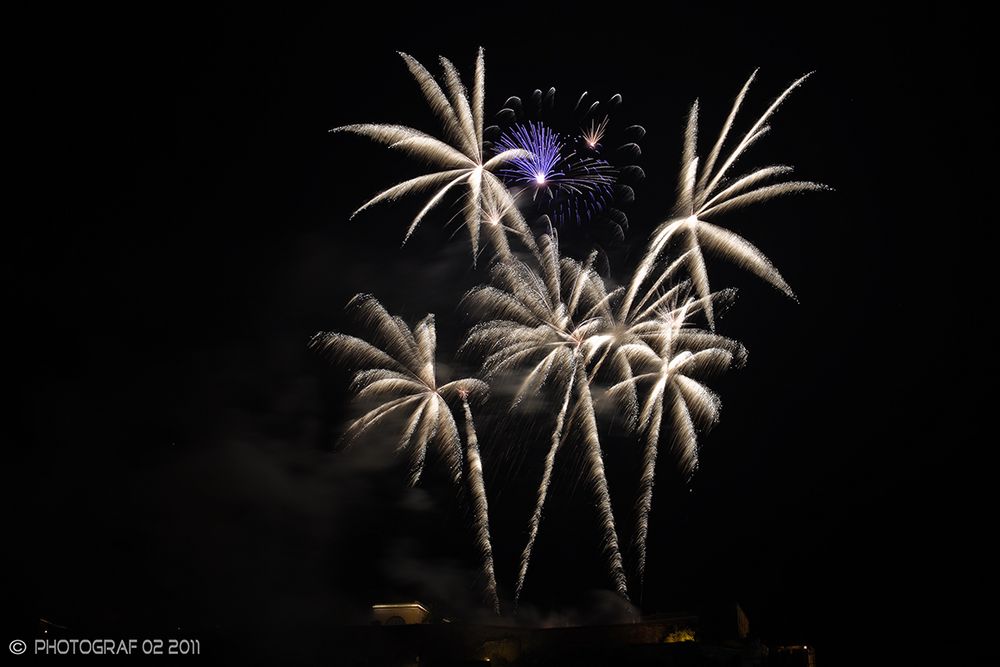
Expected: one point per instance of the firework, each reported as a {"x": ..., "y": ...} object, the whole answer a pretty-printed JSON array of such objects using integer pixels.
[
  {"x": 704, "y": 195},
  {"x": 664, "y": 363},
  {"x": 458, "y": 162},
  {"x": 575, "y": 178},
  {"x": 398, "y": 372},
  {"x": 550, "y": 322},
  {"x": 550, "y": 169},
  {"x": 533, "y": 326},
  {"x": 477, "y": 488},
  {"x": 544, "y": 154},
  {"x": 556, "y": 179},
  {"x": 593, "y": 134}
]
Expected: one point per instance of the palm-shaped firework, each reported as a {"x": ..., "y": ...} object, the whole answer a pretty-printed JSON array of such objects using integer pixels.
[
  {"x": 708, "y": 193},
  {"x": 665, "y": 363},
  {"x": 460, "y": 161},
  {"x": 535, "y": 326},
  {"x": 551, "y": 321},
  {"x": 398, "y": 371}
]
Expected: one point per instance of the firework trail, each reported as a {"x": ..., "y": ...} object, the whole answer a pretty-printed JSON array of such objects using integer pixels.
[
  {"x": 398, "y": 371},
  {"x": 648, "y": 327},
  {"x": 701, "y": 196},
  {"x": 534, "y": 328},
  {"x": 474, "y": 468},
  {"x": 543, "y": 490},
  {"x": 599, "y": 480},
  {"x": 458, "y": 162},
  {"x": 668, "y": 361},
  {"x": 495, "y": 213}
]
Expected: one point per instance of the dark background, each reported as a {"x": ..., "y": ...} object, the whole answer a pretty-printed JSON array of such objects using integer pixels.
[{"x": 177, "y": 230}]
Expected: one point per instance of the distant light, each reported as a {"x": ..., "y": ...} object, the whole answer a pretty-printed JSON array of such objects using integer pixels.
[
  {"x": 540, "y": 178},
  {"x": 401, "y": 605}
]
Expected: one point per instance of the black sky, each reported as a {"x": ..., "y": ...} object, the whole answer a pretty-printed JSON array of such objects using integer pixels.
[{"x": 177, "y": 230}]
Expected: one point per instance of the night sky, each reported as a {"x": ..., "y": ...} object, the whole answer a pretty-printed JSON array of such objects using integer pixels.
[{"x": 178, "y": 229}]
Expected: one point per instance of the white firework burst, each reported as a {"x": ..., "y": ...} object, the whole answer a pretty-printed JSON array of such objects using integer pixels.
[
  {"x": 458, "y": 161},
  {"x": 397, "y": 370},
  {"x": 706, "y": 194}
]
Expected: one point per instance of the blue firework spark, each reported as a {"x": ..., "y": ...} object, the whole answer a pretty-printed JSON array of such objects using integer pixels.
[
  {"x": 546, "y": 153},
  {"x": 563, "y": 183}
]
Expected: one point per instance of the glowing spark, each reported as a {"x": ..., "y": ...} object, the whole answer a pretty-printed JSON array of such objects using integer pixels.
[{"x": 593, "y": 134}]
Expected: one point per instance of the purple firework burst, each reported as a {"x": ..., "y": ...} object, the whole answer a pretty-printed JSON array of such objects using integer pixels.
[
  {"x": 546, "y": 153},
  {"x": 567, "y": 185}
]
